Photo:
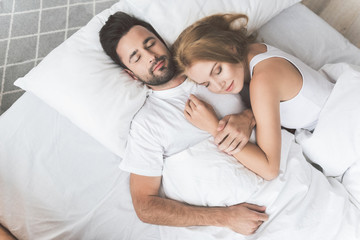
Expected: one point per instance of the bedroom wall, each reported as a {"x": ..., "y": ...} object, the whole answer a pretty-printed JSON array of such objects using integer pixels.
[{"x": 30, "y": 29}]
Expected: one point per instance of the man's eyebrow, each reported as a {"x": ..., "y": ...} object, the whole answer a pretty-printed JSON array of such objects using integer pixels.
[
  {"x": 147, "y": 39},
  {"x": 212, "y": 69},
  {"x": 132, "y": 54}
]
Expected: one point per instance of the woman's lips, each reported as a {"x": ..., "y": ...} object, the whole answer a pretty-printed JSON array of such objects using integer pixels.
[
  {"x": 230, "y": 87},
  {"x": 159, "y": 65}
]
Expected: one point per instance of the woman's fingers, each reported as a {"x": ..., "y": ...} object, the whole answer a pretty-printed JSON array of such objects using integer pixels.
[
  {"x": 223, "y": 122},
  {"x": 195, "y": 100},
  {"x": 189, "y": 106},
  {"x": 192, "y": 105}
]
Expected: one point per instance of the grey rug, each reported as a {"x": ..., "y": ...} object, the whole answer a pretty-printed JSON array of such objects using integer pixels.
[{"x": 30, "y": 29}]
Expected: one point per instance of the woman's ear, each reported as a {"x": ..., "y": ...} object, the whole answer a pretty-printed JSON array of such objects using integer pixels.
[{"x": 132, "y": 75}]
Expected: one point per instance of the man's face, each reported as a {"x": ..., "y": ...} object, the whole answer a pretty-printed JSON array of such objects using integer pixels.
[{"x": 146, "y": 56}]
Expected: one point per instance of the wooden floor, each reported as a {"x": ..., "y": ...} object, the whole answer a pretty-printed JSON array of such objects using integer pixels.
[{"x": 343, "y": 15}]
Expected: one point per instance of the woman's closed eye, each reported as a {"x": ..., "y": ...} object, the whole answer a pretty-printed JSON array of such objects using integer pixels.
[
  {"x": 218, "y": 70},
  {"x": 205, "y": 84}
]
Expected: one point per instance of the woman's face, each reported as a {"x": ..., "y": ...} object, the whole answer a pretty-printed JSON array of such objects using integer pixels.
[{"x": 218, "y": 77}]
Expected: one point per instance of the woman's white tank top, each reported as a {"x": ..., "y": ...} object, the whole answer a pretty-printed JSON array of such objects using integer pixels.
[{"x": 302, "y": 111}]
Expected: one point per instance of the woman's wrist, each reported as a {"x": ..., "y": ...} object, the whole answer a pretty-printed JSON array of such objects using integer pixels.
[
  {"x": 249, "y": 114},
  {"x": 213, "y": 128}
]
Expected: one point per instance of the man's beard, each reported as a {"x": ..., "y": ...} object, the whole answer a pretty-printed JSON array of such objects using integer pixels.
[{"x": 168, "y": 73}]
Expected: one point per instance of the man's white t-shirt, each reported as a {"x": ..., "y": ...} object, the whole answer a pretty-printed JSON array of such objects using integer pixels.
[{"x": 160, "y": 128}]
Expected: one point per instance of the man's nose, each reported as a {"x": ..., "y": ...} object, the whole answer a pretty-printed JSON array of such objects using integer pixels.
[{"x": 151, "y": 56}]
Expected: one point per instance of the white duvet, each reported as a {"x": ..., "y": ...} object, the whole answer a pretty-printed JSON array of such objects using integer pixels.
[
  {"x": 302, "y": 203},
  {"x": 335, "y": 143}
]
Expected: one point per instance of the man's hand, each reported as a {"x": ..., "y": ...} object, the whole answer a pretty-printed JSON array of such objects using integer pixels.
[
  {"x": 201, "y": 115},
  {"x": 243, "y": 218},
  {"x": 246, "y": 218},
  {"x": 234, "y": 131}
]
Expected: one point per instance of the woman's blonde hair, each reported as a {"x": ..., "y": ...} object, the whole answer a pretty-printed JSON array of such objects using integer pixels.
[{"x": 213, "y": 38}]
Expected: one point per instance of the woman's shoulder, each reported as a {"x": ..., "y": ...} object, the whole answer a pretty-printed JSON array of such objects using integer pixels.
[
  {"x": 276, "y": 75},
  {"x": 273, "y": 67},
  {"x": 269, "y": 69},
  {"x": 270, "y": 75}
]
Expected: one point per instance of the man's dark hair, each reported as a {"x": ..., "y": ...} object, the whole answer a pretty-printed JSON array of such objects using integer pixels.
[{"x": 115, "y": 28}]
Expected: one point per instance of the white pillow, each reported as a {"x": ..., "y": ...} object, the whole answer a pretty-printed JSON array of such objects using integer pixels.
[
  {"x": 83, "y": 84},
  {"x": 312, "y": 39},
  {"x": 171, "y": 17}
]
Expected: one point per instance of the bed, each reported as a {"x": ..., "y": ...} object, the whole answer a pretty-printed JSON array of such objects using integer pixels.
[{"x": 62, "y": 141}]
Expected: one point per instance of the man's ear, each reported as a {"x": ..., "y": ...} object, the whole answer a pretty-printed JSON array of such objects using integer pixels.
[{"x": 132, "y": 75}]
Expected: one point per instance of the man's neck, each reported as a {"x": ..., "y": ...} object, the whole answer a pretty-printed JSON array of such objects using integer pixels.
[{"x": 174, "y": 82}]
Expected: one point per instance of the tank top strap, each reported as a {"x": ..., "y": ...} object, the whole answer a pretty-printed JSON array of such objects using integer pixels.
[{"x": 260, "y": 57}]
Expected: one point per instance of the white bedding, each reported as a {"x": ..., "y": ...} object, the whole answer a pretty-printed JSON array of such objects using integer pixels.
[
  {"x": 302, "y": 203},
  {"x": 335, "y": 143},
  {"x": 57, "y": 182}
]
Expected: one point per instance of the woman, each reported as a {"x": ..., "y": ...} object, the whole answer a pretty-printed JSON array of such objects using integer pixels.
[{"x": 284, "y": 92}]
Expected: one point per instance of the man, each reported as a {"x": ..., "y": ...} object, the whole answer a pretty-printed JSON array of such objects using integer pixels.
[{"x": 160, "y": 129}]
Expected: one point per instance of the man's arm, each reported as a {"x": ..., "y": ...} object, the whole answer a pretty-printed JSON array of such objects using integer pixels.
[
  {"x": 5, "y": 234},
  {"x": 151, "y": 208}
]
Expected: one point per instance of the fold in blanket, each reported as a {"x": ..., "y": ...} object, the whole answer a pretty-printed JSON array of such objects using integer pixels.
[
  {"x": 335, "y": 143},
  {"x": 301, "y": 202}
]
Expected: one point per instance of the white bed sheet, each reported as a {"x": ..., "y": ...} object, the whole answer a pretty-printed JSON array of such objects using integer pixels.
[
  {"x": 56, "y": 182},
  {"x": 62, "y": 183}
]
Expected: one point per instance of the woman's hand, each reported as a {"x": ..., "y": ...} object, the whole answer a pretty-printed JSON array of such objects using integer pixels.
[
  {"x": 234, "y": 131},
  {"x": 201, "y": 115}
]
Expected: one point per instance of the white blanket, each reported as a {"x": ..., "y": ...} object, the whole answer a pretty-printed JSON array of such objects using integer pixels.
[
  {"x": 302, "y": 203},
  {"x": 335, "y": 143}
]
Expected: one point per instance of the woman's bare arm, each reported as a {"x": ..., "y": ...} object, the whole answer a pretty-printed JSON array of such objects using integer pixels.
[{"x": 252, "y": 156}]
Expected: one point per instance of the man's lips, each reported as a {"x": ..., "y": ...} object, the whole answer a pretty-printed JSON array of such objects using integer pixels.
[
  {"x": 158, "y": 65},
  {"x": 230, "y": 87}
]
